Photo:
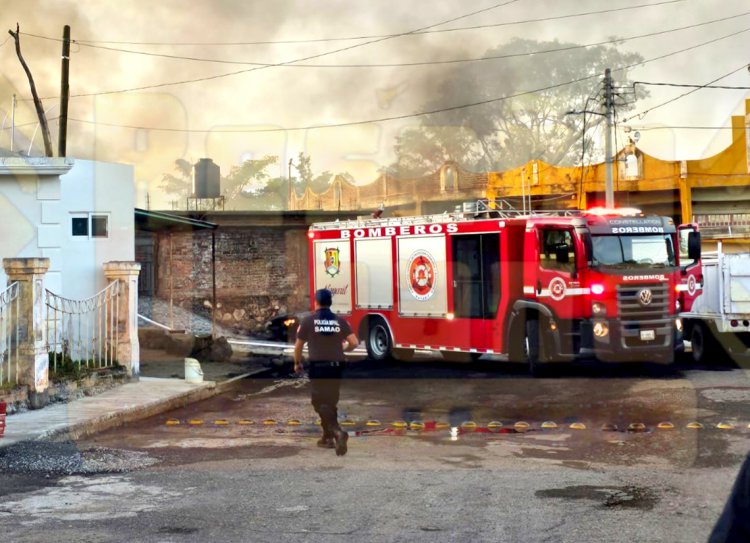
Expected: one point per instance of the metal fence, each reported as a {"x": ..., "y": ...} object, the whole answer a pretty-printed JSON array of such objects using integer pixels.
[
  {"x": 9, "y": 332},
  {"x": 83, "y": 332}
]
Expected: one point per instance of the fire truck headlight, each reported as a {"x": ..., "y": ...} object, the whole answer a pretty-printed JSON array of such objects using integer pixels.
[
  {"x": 598, "y": 309},
  {"x": 601, "y": 329},
  {"x": 597, "y": 289},
  {"x": 677, "y": 306},
  {"x": 678, "y": 324},
  {"x": 450, "y": 316}
]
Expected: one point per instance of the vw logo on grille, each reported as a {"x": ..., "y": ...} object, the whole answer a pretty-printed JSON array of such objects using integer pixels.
[{"x": 645, "y": 296}]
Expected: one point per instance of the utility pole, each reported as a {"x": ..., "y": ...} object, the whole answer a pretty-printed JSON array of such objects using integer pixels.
[
  {"x": 609, "y": 194},
  {"x": 64, "y": 93},
  {"x": 13, "y": 123},
  {"x": 289, "y": 177}
]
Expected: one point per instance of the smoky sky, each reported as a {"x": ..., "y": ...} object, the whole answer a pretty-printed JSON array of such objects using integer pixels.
[{"x": 294, "y": 97}]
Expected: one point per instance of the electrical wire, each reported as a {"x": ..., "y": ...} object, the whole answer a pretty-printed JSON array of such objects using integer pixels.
[
  {"x": 695, "y": 88},
  {"x": 310, "y": 57},
  {"x": 427, "y": 112},
  {"x": 368, "y": 37},
  {"x": 416, "y": 63}
]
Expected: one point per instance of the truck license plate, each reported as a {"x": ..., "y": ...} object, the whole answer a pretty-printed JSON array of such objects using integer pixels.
[{"x": 648, "y": 335}]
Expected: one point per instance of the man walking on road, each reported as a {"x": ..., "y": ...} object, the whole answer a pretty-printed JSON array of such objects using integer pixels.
[{"x": 325, "y": 333}]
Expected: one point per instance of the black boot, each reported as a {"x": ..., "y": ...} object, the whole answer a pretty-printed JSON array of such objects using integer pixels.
[{"x": 331, "y": 426}]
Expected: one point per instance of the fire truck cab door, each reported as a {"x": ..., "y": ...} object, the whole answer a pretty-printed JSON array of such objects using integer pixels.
[
  {"x": 691, "y": 270},
  {"x": 556, "y": 283}
]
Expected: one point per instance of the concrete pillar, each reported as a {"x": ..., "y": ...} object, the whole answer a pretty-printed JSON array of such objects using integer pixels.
[
  {"x": 686, "y": 200},
  {"x": 32, "y": 326},
  {"x": 127, "y": 350}
]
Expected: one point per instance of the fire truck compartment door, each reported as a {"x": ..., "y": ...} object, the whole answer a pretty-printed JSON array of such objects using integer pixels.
[
  {"x": 422, "y": 281},
  {"x": 374, "y": 273},
  {"x": 333, "y": 271}
]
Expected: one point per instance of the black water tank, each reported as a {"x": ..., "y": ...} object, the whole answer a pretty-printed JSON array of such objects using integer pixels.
[{"x": 207, "y": 179}]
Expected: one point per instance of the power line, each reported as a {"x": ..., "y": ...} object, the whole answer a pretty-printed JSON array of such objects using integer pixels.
[
  {"x": 410, "y": 64},
  {"x": 686, "y": 85},
  {"x": 681, "y": 127},
  {"x": 426, "y": 30},
  {"x": 310, "y": 57},
  {"x": 695, "y": 88},
  {"x": 422, "y": 113}
]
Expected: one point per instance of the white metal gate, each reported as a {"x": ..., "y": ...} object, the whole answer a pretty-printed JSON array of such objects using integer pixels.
[{"x": 9, "y": 332}]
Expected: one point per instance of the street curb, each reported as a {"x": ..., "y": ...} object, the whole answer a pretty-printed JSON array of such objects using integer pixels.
[{"x": 133, "y": 414}]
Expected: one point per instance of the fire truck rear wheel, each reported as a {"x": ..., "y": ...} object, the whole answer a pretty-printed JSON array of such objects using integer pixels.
[{"x": 378, "y": 341}]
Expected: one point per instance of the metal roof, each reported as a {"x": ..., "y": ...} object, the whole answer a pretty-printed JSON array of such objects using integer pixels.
[{"x": 155, "y": 221}]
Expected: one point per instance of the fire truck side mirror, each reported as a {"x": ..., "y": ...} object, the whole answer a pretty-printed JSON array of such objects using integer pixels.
[{"x": 694, "y": 246}]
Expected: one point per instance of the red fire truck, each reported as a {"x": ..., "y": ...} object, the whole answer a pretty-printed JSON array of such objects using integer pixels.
[{"x": 539, "y": 287}]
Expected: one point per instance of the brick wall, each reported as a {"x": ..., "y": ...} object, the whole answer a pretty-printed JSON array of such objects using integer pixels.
[{"x": 261, "y": 272}]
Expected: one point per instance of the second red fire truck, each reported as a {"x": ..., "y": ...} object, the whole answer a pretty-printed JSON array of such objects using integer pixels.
[{"x": 540, "y": 288}]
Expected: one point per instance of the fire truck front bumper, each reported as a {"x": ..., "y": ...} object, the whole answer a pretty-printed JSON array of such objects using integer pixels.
[{"x": 614, "y": 340}]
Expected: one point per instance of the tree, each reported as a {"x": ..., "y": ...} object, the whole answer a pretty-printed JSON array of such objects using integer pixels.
[
  {"x": 306, "y": 178},
  {"x": 504, "y": 134},
  {"x": 180, "y": 185},
  {"x": 248, "y": 179}
]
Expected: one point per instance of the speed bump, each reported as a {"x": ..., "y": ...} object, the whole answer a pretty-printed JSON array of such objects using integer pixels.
[
  {"x": 694, "y": 425},
  {"x": 399, "y": 424},
  {"x": 577, "y": 426},
  {"x": 726, "y": 426},
  {"x": 372, "y": 422},
  {"x": 665, "y": 426},
  {"x": 469, "y": 424},
  {"x": 195, "y": 422},
  {"x": 547, "y": 424},
  {"x": 347, "y": 422},
  {"x": 245, "y": 422},
  {"x": 441, "y": 425},
  {"x": 221, "y": 422},
  {"x": 522, "y": 425},
  {"x": 636, "y": 427},
  {"x": 607, "y": 427},
  {"x": 172, "y": 422},
  {"x": 269, "y": 422},
  {"x": 492, "y": 425},
  {"x": 293, "y": 422},
  {"x": 416, "y": 425}
]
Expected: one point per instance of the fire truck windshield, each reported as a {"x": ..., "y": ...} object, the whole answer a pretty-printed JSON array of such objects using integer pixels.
[{"x": 621, "y": 251}]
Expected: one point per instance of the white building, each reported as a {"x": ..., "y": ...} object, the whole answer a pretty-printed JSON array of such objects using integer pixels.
[{"x": 79, "y": 214}]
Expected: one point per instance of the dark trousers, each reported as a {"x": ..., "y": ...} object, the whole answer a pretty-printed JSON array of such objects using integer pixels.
[
  {"x": 325, "y": 385},
  {"x": 734, "y": 524}
]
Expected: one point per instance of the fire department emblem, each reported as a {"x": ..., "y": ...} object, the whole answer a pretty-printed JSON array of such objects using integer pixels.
[
  {"x": 421, "y": 275},
  {"x": 645, "y": 296},
  {"x": 691, "y": 286},
  {"x": 557, "y": 289},
  {"x": 332, "y": 263}
]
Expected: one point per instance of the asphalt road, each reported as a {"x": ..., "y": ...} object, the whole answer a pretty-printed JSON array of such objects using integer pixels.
[{"x": 243, "y": 466}]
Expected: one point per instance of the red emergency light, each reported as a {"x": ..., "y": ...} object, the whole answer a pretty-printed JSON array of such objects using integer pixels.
[{"x": 622, "y": 211}]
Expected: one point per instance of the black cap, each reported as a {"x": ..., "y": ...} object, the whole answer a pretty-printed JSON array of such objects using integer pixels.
[{"x": 324, "y": 297}]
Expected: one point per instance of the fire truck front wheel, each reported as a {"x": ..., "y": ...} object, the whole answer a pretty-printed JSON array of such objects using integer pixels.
[
  {"x": 379, "y": 344},
  {"x": 532, "y": 348}
]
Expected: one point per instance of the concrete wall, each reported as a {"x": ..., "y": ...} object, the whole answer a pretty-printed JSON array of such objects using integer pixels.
[{"x": 39, "y": 197}]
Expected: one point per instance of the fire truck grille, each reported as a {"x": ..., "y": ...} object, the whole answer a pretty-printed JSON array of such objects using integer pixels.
[{"x": 635, "y": 304}]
